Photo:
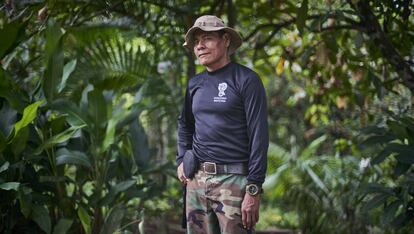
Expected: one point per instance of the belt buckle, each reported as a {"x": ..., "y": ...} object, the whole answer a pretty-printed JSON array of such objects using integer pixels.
[{"x": 210, "y": 163}]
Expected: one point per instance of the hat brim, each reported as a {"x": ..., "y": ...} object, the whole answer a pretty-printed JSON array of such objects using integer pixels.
[{"x": 235, "y": 38}]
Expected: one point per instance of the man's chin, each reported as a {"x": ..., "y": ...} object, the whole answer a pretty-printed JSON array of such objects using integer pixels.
[{"x": 203, "y": 62}]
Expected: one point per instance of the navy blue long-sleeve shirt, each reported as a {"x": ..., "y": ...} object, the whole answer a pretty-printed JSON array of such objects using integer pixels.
[{"x": 224, "y": 119}]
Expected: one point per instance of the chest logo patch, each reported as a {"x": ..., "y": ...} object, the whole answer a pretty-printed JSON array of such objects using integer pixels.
[
  {"x": 222, "y": 87},
  {"x": 221, "y": 95}
]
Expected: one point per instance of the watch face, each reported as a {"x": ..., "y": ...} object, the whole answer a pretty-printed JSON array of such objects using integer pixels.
[{"x": 252, "y": 189}]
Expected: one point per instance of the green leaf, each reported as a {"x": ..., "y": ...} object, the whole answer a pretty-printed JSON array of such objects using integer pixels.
[
  {"x": 67, "y": 70},
  {"x": 62, "y": 226},
  {"x": 139, "y": 143},
  {"x": 401, "y": 168},
  {"x": 302, "y": 15},
  {"x": 54, "y": 57},
  {"x": 375, "y": 201},
  {"x": 316, "y": 179},
  {"x": 376, "y": 139},
  {"x": 10, "y": 186},
  {"x": 85, "y": 219},
  {"x": 110, "y": 134},
  {"x": 25, "y": 201},
  {"x": 11, "y": 35},
  {"x": 115, "y": 190},
  {"x": 271, "y": 180},
  {"x": 41, "y": 216},
  {"x": 398, "y": 128},
  {"x": 390, "y": 211},
  {"x": 29, "y": 114},
  {"x": 75, "y": 115},
  {"x": 11, "y": 92},
  {"x": 19, "y": 142},
  {"x": 407, "y": 158},
  {"x": 97, "y": 108},
  {"x": 310, "y": 150},
  {"x": 113, "y": 220},
  {"x": 359, "y": 40},
  {"x": 8, "y": 117},
  {"x": 64, "y": 156},
  {"x": 381, "y": 157},
  {"x": 4, "y": 167},
  {"x": 377, "y": 188},
  {"x": 405, "y": 154},
  {"x": 59, "y": 138}
]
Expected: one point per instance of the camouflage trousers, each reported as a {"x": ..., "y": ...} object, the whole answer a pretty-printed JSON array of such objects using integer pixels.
[{"x": 213, "y": 204}]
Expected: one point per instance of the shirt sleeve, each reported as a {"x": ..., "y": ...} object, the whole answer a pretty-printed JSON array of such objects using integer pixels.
[
  {"x": 255, "y": 106},
  {"x": 185, "y": 127}
]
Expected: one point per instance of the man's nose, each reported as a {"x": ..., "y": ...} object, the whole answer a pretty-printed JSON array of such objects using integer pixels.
[{"x": 199, "y": 45}]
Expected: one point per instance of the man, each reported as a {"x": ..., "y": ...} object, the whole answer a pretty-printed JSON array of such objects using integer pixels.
[{"x": 223, "y": 125}]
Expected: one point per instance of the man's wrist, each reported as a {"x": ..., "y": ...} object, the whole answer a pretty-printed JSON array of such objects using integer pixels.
[{"x": 253, "y": 189}]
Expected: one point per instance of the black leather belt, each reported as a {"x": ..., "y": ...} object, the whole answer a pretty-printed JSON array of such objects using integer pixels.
[{"x": 231, "y": 168}]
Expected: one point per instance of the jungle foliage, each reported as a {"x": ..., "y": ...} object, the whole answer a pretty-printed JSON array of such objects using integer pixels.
[{"x": 90, "y": 92}]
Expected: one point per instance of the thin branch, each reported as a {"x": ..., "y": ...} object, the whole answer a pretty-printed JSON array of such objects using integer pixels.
[
  {"x": 287, "y": 23},
  {"x": 385, "y": 45},
  {"x": 112, "y": 7},
  {"x": 340, "y": 27},
  {"x": 168, "y": 7}
]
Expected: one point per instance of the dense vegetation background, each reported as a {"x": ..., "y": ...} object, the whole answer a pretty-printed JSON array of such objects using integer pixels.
[{"x": 90, "y": 92}]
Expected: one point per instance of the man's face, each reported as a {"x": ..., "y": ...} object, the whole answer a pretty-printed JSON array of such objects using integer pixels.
[{"x": 211, "y": 49}]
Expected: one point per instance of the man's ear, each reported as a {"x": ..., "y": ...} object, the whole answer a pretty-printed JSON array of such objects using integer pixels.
[{"x": 226, "y": 37}]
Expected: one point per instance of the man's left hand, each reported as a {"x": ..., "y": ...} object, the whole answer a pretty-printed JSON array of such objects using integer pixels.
[{"x": 250, "y": 210}]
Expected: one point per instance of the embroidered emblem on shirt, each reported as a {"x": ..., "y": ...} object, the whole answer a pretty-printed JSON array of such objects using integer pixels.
[{"x": 221, "y": 87}]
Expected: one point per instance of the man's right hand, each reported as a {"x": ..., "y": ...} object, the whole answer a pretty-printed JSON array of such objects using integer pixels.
[{"x": 180, "y": 174}]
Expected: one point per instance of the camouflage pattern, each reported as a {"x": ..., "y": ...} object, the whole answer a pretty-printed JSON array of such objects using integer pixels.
[{"x": 214, "y": 204}]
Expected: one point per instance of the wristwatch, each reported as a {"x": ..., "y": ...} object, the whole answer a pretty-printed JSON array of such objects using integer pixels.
[{"x": 253, "y": 189}]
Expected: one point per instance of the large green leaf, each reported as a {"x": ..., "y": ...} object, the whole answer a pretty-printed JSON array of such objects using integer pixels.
[
  {"x": 54, "y": 60},
  {"x": 64, "y": 156},
  {"x": 59, "y": 138},
  {"x": 67, "y": 71},
  {"x": 97, "y": 108},
  {"x": 113, "y": 220},
  {"x": 12, "y": 34},
  {"x": 10, "y": 186},
  {"x": 272, "y": 180},
  {"x": 110, "y": 134},
  {"x": 4, "y": 167},
  {"x": 25, "y": 201},
  {"x": 12, "y": 92},
  {"x": 29, "y": 114},
  {"x": 85, "y": 219},
  {"x": 76, "y": 116},
  {"x": 41, "y": 216},
  {"x": 376, "y": 201},
  {"x": 8, "y": 117},
  {"x": 113, "y": 63},
  {"x": 62, "y": 226},
  {"x": 139, "y": 143},
  {"x": 313, "y": 147},
  {"x": 405, "y": 154},
  {"x": 115, "y": 190},
  {"x": 377, "y": 188},
  {"x": 390, "y": 211}
]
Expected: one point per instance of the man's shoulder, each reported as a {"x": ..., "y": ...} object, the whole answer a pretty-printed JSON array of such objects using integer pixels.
[
  {"x": 196, "y": 79},
  {"x": 245, "y": 72}
]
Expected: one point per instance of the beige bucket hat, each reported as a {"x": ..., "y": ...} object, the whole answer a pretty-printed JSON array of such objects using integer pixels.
[{"x": 210, "y": 23}]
